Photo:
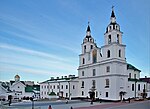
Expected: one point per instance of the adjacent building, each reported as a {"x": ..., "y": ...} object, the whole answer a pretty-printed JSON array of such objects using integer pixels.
[{"x": 19, "y": 89}]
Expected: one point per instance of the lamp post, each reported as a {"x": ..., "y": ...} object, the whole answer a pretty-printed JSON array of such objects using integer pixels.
[
  {"x": 31, "y": 98},
  {"x": 69, "y": 90},
  {"x": 135, "y": 88},
  {"x": 59, "y": 89}
]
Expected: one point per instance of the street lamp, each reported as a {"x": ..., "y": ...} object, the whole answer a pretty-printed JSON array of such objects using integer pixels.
[
  {"x": 59, "y": 89},
  {"x": 31, "y": 98},
  {"x": 135, "y": 87},
  {"x": 69, "y": 90}
]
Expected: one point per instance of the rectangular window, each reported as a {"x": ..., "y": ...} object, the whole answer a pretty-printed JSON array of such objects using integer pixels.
[
  {"x": 138, "y": 87},
  {"x": 94, "y": 72},
  {"x": 82, "y": 93},
  {"x": 57, "y": 86},
  {"x": 82, "y": 73},
  {"x": 54, "y": 86},
  {"x": 129, "y": 75},
  {"x": 135, "y": 76},
  {"x": 107, "y": 83},
  {"x": 73, "y": 86},
  {"x": 66, "y": 95},
  {"x": 93, "y": 84},
  {"x": 61, "y": 86},
  {"x": 66, "y": 86},
  {"x": 108, "y": 69},
  {"x": 96, "y": 94},
  {"x": 132, "y": 87},
  {"x": 106, "y": 94},
  {"x": 82, "y": 85},
  {"x": 57, "y": 93}
]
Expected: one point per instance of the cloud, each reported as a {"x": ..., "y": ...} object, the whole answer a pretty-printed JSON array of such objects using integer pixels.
[
  {"x": 31, "y": 52},
  {"x": 27, "y": 60}
]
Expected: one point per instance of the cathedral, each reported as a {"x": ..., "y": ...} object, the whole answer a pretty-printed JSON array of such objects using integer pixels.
[{"x": 102, "y": 70}]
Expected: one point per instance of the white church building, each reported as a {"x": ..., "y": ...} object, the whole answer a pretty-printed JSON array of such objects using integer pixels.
[{"x": 103, "y": 70}]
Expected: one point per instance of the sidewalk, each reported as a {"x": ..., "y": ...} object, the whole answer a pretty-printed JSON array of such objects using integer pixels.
[
  {"x": 73, "y": 104},
  {"x": 109, "y": 105}
]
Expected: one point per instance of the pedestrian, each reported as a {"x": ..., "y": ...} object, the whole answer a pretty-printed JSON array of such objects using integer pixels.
[
  {"x": 100, "y": 100},
  {"x": 129, "y": 99},
  {"x": 71, "y": 107},
  {"x": 49, "y": 107},
  {"x": 66, "y": 101},
  {"x": 123, "y": 99}
]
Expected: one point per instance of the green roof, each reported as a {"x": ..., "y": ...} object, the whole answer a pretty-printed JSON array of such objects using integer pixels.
[
  {"x": 132, "y": 79},
  {"x": 32, "y": 88},
  {"x": 129, "y": 66},
  {"x": 52, "y": 94}
]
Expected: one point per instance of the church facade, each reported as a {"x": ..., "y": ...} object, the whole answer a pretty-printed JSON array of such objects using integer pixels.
[{"x": 103, "y": 70}]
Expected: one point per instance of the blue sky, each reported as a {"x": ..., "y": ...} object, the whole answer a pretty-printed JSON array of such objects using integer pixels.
[{"x": 40, "y": 39}]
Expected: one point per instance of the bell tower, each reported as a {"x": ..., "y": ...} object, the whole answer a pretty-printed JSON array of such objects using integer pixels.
[
  {"x": 113, "y": 33},
  {"x": 87, "y": 46},
  {"x": 113, "y": 47}
]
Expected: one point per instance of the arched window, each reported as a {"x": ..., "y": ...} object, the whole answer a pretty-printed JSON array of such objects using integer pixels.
[
  {"x": 108, "y": 53},
  {"x": 94, "y": 53},
  {"x": 84, "y": 48},
  {"x": 113, "y": 26},
  {"x": 83, "y": 61},
  {"x": 109, "y": 39},
  {"x": 117, "y": 38},
  {"x": 110, "y": 28},
  {"x": 119, "y": 53}
]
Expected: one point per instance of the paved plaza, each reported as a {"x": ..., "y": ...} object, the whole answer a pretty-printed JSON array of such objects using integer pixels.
[{"x": 80, "y": 105}]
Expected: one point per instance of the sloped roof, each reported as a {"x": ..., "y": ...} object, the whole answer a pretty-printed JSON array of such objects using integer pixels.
[
  {"x": 11, "y": 82},
  {"x": 32, "y": 88},
  {"x": 129, "y": 66},
  {"x": 145, "y": 79}
]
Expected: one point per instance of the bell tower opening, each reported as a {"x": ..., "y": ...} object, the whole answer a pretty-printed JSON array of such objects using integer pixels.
[{"x": 109, "y": 39}]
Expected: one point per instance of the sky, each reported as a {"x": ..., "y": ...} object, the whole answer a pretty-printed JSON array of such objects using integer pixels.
[{"x": 40, "y": 39}]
